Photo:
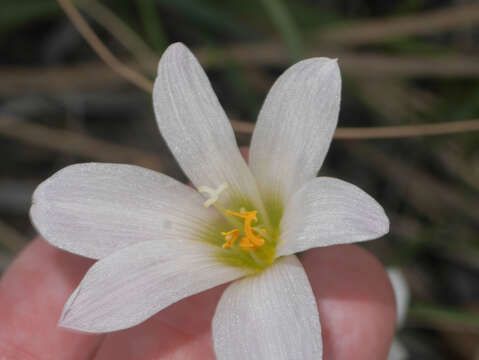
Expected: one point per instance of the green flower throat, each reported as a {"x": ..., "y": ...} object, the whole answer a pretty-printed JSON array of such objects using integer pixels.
[{"x": 246, "y": 239}]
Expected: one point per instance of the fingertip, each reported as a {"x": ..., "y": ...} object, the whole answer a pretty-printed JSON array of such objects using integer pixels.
[
  {"x": 32, "y": 293},
  {"x": 355, "y": 300}
]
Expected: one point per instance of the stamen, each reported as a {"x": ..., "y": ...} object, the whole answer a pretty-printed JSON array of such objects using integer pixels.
[
  {"x": 251, "y": 240},
  {"x": 213, "y": 194},
  {"x": 246, "y": 244},
  {"x": 230, "y": 237}
]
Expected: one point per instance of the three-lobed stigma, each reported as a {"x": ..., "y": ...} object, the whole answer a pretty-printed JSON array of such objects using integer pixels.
[{"x": 213, "y": 194}]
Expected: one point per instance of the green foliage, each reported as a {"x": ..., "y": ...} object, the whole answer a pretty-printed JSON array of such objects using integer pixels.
[
  {"x": 445, "y": 316},
  {"x": 150, "y": 19},
  {"x": 18, "y": 13},
  {"x": 208, "y": 18},
  {"x": 286, "y": 26}
]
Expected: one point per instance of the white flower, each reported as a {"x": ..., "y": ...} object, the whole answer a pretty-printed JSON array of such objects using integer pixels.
[
  {"x": 402, "y": 296},
  {"x": 159, "y": 241}
]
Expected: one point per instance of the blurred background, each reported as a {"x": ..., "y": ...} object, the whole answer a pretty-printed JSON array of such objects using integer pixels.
[{"x": 76, "y": 88}]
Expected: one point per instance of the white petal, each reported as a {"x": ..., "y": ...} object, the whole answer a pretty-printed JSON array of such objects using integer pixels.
[
  {"x": 329, "y": 211},
  {"x": 272, "y": 315},
  {"x": 295, "y": 127},
  {"x": 401, "y": 293},
  {"x": 134, "y": 283},
  {"x": 397, "y": 351},
  {"x": 95, "y": 209},
  {"x": 196, "y": 128}
]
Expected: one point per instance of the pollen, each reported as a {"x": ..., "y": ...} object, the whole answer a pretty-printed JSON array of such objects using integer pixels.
[{"x": 251, "y": 240}]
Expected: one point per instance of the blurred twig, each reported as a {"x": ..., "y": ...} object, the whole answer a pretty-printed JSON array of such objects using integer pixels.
[
  {"x": 377, "y": 65},
  {"x": 122, "y": 33},
  {"x": 90, "y": 75},
  {"x": 343, "y": 133},
  {"x": 20, "y": 80},
  {"x": 273, "y": 53},
  {"x": 364, "y": 65},
  {"x": 11, "y": 238},
  {"x": 385, "y": 132},
  {"x": 430, "y": 22},
  {"x": 74, "y": 143},
  {"x": 86, "y": 76},
  {"x": 106, "y": 55}
]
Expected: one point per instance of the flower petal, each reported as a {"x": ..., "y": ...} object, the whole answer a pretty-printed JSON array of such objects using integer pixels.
[
  {"x": 196, "y": 128},
  {"x": 328, "y": 211},
  {"x": 95, "y": 209},
  {"x": 398, "y": 351},
  {"x": 294, "y": 128},
  {"x": 134, "y": 283},
  {"x": 401, "y": 294},
  {"x": 272, "y": 315}
]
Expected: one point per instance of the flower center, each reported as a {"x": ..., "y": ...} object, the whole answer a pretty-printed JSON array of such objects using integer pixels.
[
  {"x": 246, "y": 243},
  {"x": 250, "y": 240}
]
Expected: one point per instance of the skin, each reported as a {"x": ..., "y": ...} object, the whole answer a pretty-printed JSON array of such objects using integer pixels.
[
  {"x": 353, "y": 293},
  {"x": 354, "y": 296}
]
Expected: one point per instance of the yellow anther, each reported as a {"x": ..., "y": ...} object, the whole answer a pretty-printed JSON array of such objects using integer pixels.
[
  {"x": 230, "y": 237},
  {"x": 246, "y": 244},
  {"x": 213, "y": 194},
  {"x": 243, "y": 214},
  {"x": 251, "y": 240}
]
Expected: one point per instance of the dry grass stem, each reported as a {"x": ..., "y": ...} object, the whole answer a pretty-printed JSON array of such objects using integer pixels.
[
  {"x": 365, "y": 61},
  {"x": 75, "y": 144},
  {"x": 381, "y": 66},
  {"x": 430, "y": 22},
  {"x": 103, "y": 52},
  {"x": 358, "y": 65},
  {"x": 18, "y": 80},
  {"x": 147, "y": 58},
  {"x": 53, "y": 80},
  {"x": 387, "y": 132}
]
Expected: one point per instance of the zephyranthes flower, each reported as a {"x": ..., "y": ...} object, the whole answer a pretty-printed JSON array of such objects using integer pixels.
[
  {"x": 401, "y": 293},
  {"x": 159, "y": 240}
]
